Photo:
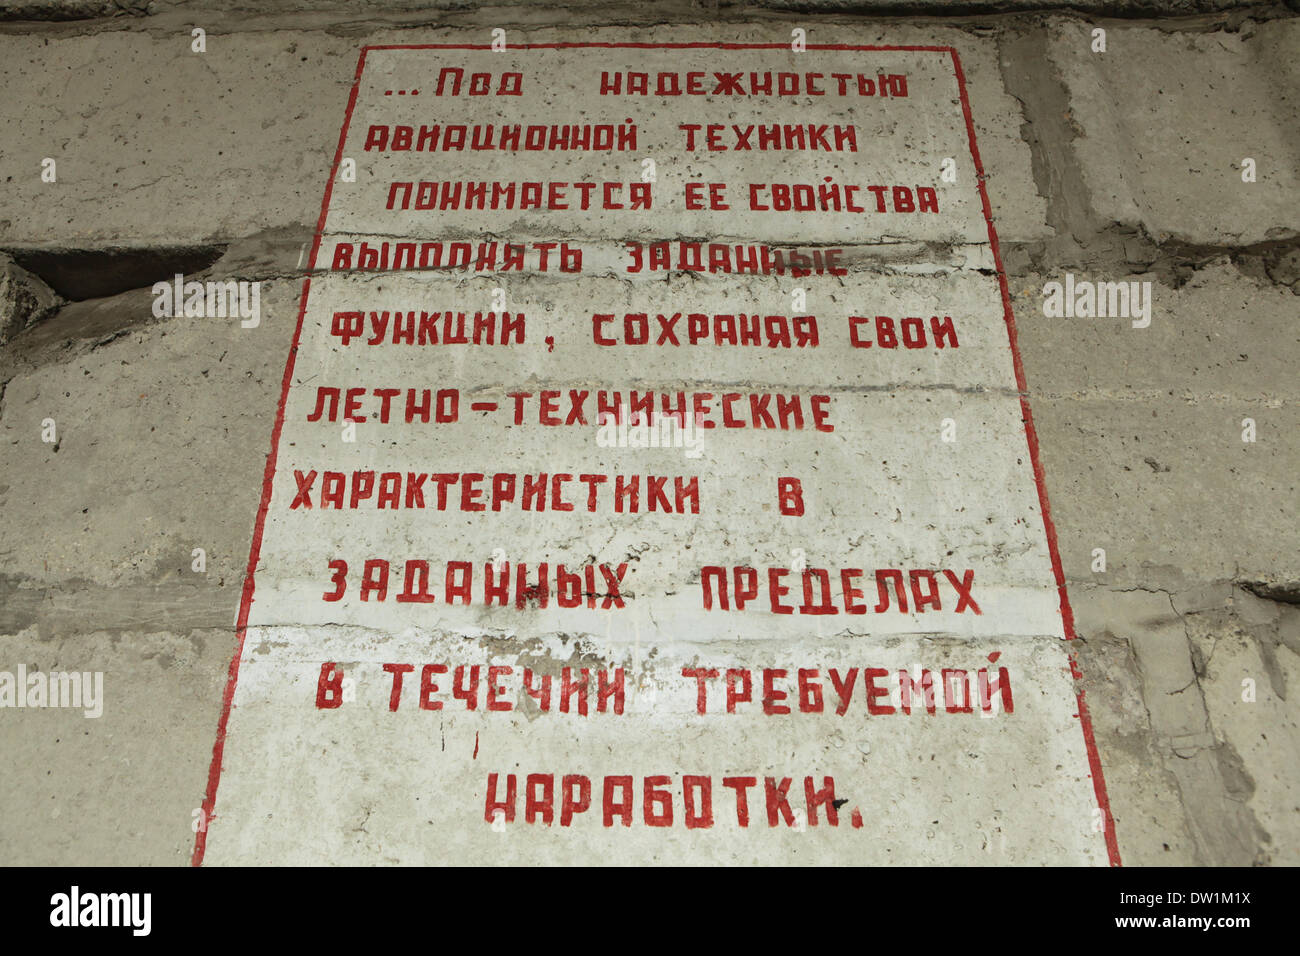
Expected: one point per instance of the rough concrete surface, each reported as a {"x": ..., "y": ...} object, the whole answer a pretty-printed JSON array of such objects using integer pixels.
[
  {"x": 24, "y": 299},
  {"x": 1123, "y": 165}
]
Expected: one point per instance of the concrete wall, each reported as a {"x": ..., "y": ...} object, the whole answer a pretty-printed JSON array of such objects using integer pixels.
[{"x": 1111, "y": 166}]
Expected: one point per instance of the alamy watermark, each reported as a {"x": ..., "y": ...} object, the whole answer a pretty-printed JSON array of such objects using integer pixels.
[
  {"x": 209, "y": 300},
  {"x": 665, "y": 430},
  {"x": 54, "y": 689},
  {"x": 75, "y": 908},
  {"x": 1098, "y": 300}
]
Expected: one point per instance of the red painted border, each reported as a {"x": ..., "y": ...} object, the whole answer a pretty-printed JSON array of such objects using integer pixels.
[
  {"x": 1031, "y": 435},
  {"x": 246, "y": 601}
]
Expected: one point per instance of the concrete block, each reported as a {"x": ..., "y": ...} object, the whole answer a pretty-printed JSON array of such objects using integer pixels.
[
  {"x": 121, "y": 788},
  {"x": 1171, "y": 493},
  {"x": 1165, "y": 120},
  {"x": 1222, "y": 335},
  {"x": 161, "y": 436},
  {"x": 255, "y": 157}
]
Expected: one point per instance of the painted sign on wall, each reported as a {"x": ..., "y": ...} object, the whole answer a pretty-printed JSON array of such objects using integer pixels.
[{"x": 654, "y": 482}]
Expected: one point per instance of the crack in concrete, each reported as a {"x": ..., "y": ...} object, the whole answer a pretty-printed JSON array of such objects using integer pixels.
[
  {"x": 1284, "y": 593},
  {"x": 81, "y": 274}
]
